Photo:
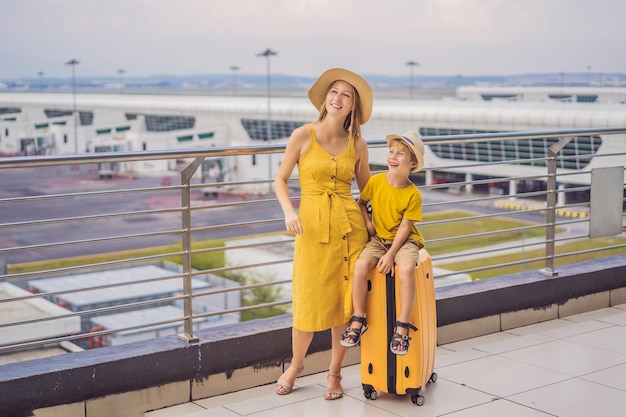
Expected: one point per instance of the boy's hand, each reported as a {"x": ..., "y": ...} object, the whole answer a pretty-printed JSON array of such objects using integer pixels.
[{"x": 385, "y": 264}]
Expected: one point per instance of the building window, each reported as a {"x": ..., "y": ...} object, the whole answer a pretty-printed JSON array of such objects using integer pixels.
[
  {"x": 575, "y": 155},
  {"x": 50, "y": 113},
  {"x": 7, "y": 110},
  {"x": 499, "y": 97},
  {"x": 591, "y": 98},
  {"x": 207, "y": 135},
  {"x": 85, "y": 118},
  {"x": 257, "y": 129},
  {"x": 158, "y": 123},
  {"x": 566, "y": 98}
]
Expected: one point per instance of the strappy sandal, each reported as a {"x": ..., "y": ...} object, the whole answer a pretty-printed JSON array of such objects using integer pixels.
[
  {"x": 287, "y": 386},
  {"x": 402, "y": 340},
  {"x": 354, "y": 334},
  {"x": 333, "y": 394}
]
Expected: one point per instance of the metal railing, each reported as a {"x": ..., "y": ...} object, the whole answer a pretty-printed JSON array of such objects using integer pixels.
[{"x": 68, "y": 216}]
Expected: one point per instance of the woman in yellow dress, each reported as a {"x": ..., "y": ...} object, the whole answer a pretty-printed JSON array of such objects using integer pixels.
[{"x": 329, "y": 227}]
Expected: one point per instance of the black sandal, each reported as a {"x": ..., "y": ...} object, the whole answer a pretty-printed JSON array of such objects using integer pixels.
[
  {"x": 357, "y": 333},
  {"x": 401, "y": 339}
]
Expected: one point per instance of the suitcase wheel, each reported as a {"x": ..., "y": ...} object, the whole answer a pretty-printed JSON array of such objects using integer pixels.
[
  {"x": 418, "y": 400},
  {"x": 370, "y": 394},
  {"x": 433, "y": 378}
]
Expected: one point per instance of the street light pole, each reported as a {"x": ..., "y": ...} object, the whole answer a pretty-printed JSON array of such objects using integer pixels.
[
  {"x": 73, "y": 62},
  {"x": 234, "y": 69},
  {"x": 267, "y": 54},
  {"x": 121, "y": 73},
  {"x": 41, "y": 74},
  {"x": 411, "y": 64}
]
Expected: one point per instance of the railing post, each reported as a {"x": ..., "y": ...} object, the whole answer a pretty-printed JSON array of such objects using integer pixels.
[
  {"x": 185, "y": 180},
  {"x": 551, "y": 199}
]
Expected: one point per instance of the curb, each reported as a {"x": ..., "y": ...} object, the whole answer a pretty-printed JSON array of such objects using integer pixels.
[{"x": 559, "y": 212}]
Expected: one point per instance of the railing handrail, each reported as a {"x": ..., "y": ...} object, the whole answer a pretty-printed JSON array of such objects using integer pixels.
[
  {"x": 187, "y": 212},
  {"x": 216, "y": 151}
]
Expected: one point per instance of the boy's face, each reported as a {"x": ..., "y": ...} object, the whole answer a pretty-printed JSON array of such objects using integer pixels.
[{"x": 400, "y": 159}]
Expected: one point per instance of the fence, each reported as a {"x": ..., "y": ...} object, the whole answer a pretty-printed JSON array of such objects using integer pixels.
[{"x": 100, "y": 236}]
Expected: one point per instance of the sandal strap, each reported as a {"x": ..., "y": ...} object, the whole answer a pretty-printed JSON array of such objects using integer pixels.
[
  {"x": 356, "y": 333},
  {"x": 335, "y": 374},
  {"x": 352, "y": 334},
  {"x": 400, "y": 339},
  {"x": 352, "y": 337},
  {"x": 405, "y": 325},
  {"x": 361, "y": 320}
]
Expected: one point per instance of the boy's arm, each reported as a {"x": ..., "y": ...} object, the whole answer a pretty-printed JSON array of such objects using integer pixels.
[
  {"x": 385, "y": 263},
  {"x": 371, "y": 231}
]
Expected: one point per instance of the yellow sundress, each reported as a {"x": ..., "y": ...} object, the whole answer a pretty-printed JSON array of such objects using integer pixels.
[{"x": 333, "y": 236}]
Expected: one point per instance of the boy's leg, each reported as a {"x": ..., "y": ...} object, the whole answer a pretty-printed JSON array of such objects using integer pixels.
[
  {"x": 406, "y": 275},
  {"x": 359, "y": 285},
  {"x": 359, "y": 296}
]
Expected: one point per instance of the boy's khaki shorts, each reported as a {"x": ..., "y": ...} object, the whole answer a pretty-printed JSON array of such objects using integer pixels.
[{"x": 377, "y": 247}]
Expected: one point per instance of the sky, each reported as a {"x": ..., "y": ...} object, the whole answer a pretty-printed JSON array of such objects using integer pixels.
[{"x": 186, "y": 37}]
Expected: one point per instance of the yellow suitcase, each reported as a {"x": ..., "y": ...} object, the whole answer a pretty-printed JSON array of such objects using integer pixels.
[{"x": 381, "y": 370}]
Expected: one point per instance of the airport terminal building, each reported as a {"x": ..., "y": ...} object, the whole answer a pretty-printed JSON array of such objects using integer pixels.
[{"x": 38, "y": 123}]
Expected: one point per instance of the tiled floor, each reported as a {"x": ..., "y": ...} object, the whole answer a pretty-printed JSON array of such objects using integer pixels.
[{"x": 568, "y": 367}]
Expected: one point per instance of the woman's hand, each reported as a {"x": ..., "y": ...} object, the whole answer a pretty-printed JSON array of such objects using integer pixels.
[{"x": 293, "y": 223}]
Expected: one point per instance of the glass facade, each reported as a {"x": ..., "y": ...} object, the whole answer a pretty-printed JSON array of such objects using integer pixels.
[
  {"x": 257, "y": 129},
  {"x": 160, "y": 123},
  {"x": 85, "y": 117},
  {"x": 8, "y": 110},
  {"x": 576, "y": 155}
]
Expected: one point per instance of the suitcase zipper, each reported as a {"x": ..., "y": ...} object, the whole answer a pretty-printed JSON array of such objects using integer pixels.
[{"x": 391, "y": 320}]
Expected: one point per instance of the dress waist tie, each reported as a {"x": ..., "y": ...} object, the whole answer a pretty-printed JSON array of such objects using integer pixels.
[{"x": 331, "y": 202}]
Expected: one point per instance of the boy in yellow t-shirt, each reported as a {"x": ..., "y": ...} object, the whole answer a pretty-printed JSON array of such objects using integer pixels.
[{"x": 396, "y": 205}]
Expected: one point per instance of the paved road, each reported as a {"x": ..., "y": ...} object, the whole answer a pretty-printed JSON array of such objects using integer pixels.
[
  {"x": 47, "y": 180},
  {"x": 53, "y": 180}
]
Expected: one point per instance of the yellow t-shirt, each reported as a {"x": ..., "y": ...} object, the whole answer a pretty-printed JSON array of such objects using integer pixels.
[{"x": 390, "y": 205}]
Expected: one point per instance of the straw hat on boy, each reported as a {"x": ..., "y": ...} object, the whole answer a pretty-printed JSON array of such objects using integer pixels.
[{"x": 414, "y": 141}]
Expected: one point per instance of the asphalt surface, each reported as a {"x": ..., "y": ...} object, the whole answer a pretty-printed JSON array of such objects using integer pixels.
[{"x": 165, "y": 227}]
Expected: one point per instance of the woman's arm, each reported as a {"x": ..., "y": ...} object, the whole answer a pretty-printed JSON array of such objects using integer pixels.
[
  {"x": 297, "y": 144},
  {"x": 371, "y": 231},
  {"x": 362, "y": 170}
]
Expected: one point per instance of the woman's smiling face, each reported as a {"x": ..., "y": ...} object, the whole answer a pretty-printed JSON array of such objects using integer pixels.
[{"x": 340, "y": 98}]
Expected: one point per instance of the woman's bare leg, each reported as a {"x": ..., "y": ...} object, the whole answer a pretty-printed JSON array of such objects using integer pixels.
[
  {"x": 334, "y": 389},
  {"x": 300, "y": 342}
]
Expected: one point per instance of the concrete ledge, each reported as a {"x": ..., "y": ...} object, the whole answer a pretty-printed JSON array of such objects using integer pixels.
[
  {"x": 529, "y": 290},
  {"x": 265, "y": 345}
]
